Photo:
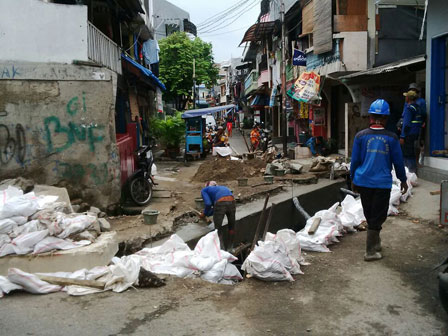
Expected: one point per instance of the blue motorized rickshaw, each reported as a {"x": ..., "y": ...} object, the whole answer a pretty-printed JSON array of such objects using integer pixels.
[{"x": 196, "y": 128}]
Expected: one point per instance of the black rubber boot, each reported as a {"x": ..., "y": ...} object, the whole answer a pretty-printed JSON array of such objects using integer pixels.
[
  {"x": 378, "y": 247},
  {"x": 372, "y": 243}
]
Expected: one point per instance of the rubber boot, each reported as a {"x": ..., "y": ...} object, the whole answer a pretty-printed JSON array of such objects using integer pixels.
[
  {"x": 378, "y": 247},
  {"x": 371, "y": 245}
]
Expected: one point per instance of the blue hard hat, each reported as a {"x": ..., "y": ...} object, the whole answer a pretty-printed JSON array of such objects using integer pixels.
[{"x": 379, "y": 106}]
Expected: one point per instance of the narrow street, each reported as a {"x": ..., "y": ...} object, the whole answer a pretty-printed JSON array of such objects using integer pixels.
[
  {"x": 127, "y": 209},
  {"x": 339, "y": 294}
]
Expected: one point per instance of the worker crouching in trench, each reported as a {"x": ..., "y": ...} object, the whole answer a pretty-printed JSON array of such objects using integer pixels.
[{"x": 219, "y": 202}]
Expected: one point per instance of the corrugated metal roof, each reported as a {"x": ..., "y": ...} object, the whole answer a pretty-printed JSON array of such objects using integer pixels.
[
  {"x": 387, "y": 68},
  {"x": 258, "y": 31}
]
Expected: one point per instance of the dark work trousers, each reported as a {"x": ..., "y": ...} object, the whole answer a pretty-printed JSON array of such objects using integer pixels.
[
  {"x": 219, "y": 210},
  {"x": 375, "y": 203},
  {"x": 409, "y": 152}
]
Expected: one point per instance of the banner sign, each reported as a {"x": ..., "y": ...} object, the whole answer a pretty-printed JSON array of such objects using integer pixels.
[{"x": 299, "y": 58}]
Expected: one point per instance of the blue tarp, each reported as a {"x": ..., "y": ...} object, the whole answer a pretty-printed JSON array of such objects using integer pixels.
[
  {"x": 203, "y": 111},
  {"x": 145, "y": 71}
]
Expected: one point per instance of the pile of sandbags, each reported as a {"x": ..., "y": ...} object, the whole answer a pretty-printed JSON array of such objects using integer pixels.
[
  {"x": 174, "y": 257},
  {"x": 31, "y": 224}
]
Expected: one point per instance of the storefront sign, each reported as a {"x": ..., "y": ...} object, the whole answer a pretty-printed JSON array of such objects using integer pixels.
[{"x": 299, "y": 58}]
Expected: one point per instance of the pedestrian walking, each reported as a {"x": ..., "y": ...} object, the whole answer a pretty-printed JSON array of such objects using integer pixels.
[
  {"x": 375, "y": 151},
  {"x": 412, "y": 124},
  {"x": 219, "y": 202},
  {"x": 255, "y": 137},
  {"x": 229, "y": 124}
]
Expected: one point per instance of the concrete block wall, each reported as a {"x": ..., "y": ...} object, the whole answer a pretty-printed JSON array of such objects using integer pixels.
[{"x": 57, "y": 127}]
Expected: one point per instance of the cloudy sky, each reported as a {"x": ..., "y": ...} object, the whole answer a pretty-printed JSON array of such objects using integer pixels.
[{"x": 225, "y": 35}]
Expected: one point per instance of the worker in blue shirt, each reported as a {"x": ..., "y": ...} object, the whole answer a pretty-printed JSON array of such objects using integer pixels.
[
  {"x": 315, "y": 144},
  {"x": 219, "y": 201},
  {"x": 413, "y": 120},
  {"x": 374, "y": 152}
]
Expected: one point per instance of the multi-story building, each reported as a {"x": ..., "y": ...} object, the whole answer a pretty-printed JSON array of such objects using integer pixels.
[
  {"x": 76, "y": 95},
  {"x": 169, "y": 18}
]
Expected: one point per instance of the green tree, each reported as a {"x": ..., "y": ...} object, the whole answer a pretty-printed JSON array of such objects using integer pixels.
[{"x": 177, "y": 52}]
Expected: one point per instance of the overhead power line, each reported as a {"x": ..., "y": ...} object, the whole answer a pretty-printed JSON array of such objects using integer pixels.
[
  {"x": 214, "y": 17},
  {"x": 236, "y": 16}
]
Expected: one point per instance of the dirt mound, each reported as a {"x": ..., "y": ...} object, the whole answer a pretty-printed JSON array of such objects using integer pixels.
[{"x": 228, "y": 170}]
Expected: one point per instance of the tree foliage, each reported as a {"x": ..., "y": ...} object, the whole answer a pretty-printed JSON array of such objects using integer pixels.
[
  {"x": 170, "y": 131},
  {"x": 177, "y": 52}
]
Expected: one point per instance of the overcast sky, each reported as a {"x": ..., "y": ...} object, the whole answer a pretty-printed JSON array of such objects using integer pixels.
[{"x": 225, "y": 40}]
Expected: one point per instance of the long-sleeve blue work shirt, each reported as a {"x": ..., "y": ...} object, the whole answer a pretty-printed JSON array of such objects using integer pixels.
[
  {"x": 374, "y": 152},
  {"x": 414, "y": 116},
  {"x": 212, "y": 194}
]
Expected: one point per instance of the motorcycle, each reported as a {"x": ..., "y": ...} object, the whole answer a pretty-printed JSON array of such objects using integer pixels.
[
  {"x": 141, "y": 182},
  {"x": 265, "y": 140}
]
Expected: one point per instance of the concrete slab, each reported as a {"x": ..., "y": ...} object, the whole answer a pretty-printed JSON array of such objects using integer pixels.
[
  {"x": 99, "y": 253},
  {"x": 40, "y": 189}
]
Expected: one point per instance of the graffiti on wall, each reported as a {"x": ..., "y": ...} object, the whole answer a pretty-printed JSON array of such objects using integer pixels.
[
  {"x": 97, "y": 174},
  {"x": 9, "y": 72},
  {"x": 12, "y": 144},
  {"x": 72, "y": 132}
]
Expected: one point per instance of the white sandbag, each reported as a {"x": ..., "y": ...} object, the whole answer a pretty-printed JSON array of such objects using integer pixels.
[
  {"x": 291, "y": 243},
  {"x": 19, "y": 220},
  {"x": 31, "y": 226},
  {"x": 30, "y": 282},
  {"x": 45, "y": 201},
  {"x": 25, "y": 243},
  {"x": 209, "y": 246},
  {"x": 7, "y": 225},
  {"x": 395, "y": 195},
  {"x": 392, "y": 211},
  {"x": 329, "y": 229},
  {"x": 53, "y": 243},
  {"x": 216, "y": 273},
  {"x": 4, "y": 239},
  {"x": 123, "y": 273},
  {"x": 9, "y": 193},
  {"x": 23, "y": 206},
  {"x": 404, "y": 197},
  {"x": 76, "y": 224},
  {"x": 412, "y": 178},
  {"x": 231, "y": 275},
  {"x": 267, "y": 262},
  {"x": 351, "y": 214},
  {"x": 7, "y": 286}
]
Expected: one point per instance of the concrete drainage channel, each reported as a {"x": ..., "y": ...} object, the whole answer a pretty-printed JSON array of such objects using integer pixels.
[{"x": 285, "y": 215}]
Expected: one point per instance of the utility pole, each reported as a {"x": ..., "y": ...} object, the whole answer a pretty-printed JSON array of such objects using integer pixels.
[
  {"x": 285, "y": 121},
  {"x": 194, "y": 83}
]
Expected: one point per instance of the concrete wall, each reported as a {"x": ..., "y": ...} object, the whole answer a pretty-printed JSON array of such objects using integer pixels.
[
  {"x": 34, "y": 31},
  {"x": 355, "y": 50},
  {"x": 57, "y": 127}
]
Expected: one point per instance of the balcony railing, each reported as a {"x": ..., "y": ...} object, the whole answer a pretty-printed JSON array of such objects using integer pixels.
[
  {"x": 102, "y": 49},
  {"x": 251, "y": 82}
]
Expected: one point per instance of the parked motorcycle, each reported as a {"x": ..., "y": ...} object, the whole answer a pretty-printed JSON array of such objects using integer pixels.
[
  {"x": 265, "y": 139},
  {"x": 140, "y": 183}
]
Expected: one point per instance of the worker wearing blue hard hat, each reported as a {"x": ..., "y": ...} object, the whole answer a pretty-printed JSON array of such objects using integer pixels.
[{"x": 375, "y": 151}]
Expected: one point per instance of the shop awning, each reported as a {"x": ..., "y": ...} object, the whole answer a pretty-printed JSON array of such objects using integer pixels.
[
  {"x": 146, "y": 72},
  {"x": 204, "y": 111},
  {"x": 387, "y": 67},
  {"x": 258, "y": 31}
]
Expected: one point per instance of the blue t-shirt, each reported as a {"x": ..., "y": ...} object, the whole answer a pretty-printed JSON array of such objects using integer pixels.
[
  {"x": 211, "y": 194},
  {"x": 374, "y": 152}
]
